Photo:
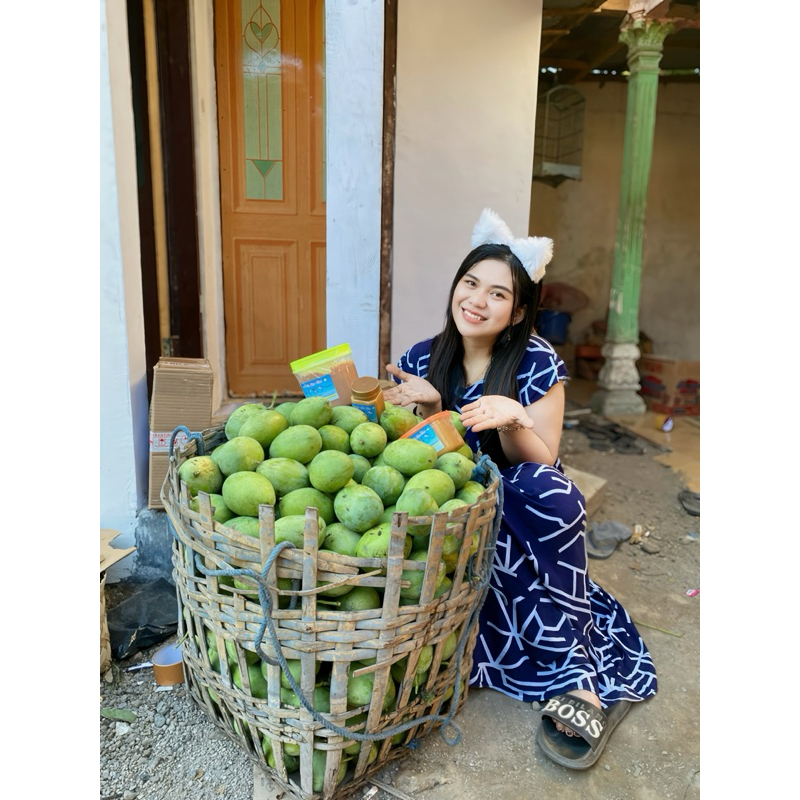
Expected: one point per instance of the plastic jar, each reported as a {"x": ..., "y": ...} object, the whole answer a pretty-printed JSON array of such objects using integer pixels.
[
  {"x": 437, "y": 430},
  {"x": 327, "y": 374},
  {"x": 367, "y": 396}
]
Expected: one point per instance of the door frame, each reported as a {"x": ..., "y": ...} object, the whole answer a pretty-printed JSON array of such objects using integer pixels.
[{"x": 348, "y": 234}]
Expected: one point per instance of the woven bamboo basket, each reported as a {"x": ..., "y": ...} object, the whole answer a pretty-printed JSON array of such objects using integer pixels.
[{"x": 238, "y": 640}]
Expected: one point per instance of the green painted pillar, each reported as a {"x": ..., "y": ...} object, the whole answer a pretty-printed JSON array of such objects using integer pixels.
[{"x": 619, "y": 379}]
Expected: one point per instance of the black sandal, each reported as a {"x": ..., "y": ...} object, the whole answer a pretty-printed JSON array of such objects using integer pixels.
[{"x": 593, "y": 726}]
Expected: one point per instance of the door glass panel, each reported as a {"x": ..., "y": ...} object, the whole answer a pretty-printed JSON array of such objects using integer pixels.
[{"x": 261, "y": 86}]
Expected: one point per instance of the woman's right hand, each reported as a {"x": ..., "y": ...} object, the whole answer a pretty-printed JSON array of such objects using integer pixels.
[{"x": 413, "y": 391}]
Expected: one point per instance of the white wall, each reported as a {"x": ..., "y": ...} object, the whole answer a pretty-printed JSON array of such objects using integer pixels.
[
  {"x": 354, "y": 117},
  {"x": 123, "y": 384},
  {"x": 467, "y": 73}
]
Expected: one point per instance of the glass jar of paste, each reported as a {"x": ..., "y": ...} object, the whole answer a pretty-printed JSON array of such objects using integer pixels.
[{"x": 367, "y": 396}]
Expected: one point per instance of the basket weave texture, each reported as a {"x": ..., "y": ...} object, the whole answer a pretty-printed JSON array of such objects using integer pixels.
[{"x": 233, "y": 637}]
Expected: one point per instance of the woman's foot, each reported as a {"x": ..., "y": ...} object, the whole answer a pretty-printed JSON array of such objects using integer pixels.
[{"x": 582, "y": 694}]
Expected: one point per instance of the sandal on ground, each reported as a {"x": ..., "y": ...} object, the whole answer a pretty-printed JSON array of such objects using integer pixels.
[
  {"x": 592, "y": 725},
  {"x": 690, "y": 501}
]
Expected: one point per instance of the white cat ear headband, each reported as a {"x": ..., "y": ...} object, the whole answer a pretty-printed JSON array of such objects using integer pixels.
[{"x": 534, "y": 252}]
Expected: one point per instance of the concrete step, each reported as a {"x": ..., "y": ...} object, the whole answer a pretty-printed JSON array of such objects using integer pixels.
[{"x": 593, "y": 488}]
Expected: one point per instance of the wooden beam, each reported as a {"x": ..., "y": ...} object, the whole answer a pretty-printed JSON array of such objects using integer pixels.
[
  {"x": 387, "y": 184},
  {"x": 564, "y": 63}
]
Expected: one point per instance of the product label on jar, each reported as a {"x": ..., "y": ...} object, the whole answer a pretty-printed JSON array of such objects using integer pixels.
[
  {"x": 428, "y": 435},
  {"x": 370, "y": 411},
  {"x": 320, "y": 387}
]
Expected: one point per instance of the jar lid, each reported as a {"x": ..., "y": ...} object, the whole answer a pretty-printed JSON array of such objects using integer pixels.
[{"x": 364, "y": 385}]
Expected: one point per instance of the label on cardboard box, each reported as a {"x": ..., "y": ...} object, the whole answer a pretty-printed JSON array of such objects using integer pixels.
[{"x": 159, "y": 440}]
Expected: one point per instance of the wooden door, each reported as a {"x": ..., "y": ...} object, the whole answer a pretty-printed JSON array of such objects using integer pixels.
[{"x": 270, "y": 104}]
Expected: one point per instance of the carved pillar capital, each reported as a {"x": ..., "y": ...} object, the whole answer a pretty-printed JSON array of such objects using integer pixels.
[{"x": 645, "y": 37}]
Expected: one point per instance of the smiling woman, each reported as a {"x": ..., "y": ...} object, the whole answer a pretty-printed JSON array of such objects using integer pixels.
[
  {"x": 547, "y": 631},
  {"x": 483, "y": 301}
]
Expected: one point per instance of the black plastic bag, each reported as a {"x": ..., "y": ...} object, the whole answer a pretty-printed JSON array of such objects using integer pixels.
[{"x": 147, "y": 617}]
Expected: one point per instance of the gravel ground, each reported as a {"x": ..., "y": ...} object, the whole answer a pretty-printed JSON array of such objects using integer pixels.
[{"x": 172, "y": 751}]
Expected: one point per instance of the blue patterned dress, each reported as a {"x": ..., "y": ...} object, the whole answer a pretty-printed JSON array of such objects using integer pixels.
[{"x": 546, "y": 627}]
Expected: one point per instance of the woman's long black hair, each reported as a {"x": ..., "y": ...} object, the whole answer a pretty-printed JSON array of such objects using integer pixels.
[{"x": 446, "y": 370}]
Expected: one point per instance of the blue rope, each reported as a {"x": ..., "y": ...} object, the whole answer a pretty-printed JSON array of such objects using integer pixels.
[{"x": 481, "y": 471}]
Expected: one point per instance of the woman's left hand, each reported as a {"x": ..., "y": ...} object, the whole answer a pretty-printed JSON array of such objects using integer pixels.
[{"x": 494, "y": 411}]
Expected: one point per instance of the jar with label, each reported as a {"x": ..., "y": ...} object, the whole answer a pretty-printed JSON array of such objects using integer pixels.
[
  {"x": 367, "y": 396},
  {"x": 439, "y": 431}
]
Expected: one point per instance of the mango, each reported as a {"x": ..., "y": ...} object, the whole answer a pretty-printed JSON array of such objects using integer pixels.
[
  {"x": 300, "y": 442},
  {"x": 296, "y": 502},
  {"x": 451, "y": 505},
  {"x": 360, "y": 464},
  {"x": 221, "y": 512},
  {"x": 445, "y": 586},
  {"x": 291, "y": 528},
  {"x": 410, "y": 456},
  {"x": 340, "y": 539},
  {"x": 466, "y": 451},
  {"x": 459, "y": 425},
  {"x": 313, "y": 411},
  {"x": 358, "y": 507},
  {"x": 396, "y": 420},
  {"x": 386, "y": 481},
  {"x": 319, "y": 760},
  {"x": 258, "y": 685},
  {"x": 368, "y": 439},
  {"x": 243, "y": 492},
  {"x": 240, "y": 454},
  {"x": 286, "y": 409},
  {"x": 285, "y": 474},
  {"x": 334, "y": 438},
  {"x": 417, "y": 502},
  {"x": 416, "y": 577},
  {"x": 249, "y": 526},
  {"x": 374, "y": 543},
  {"x": 437, "y": 483},
  {"x": 347, "y": 418},
  {"x": 398, "y": 669},
  {"x": 201, "y": 474},
  {"x": 457, "y": 466},
  {"x": 362, "y": 598},
  {"x": 239, "y": 415},
  {"x": 359, "y": 691},
  {"x": 263, "y": 426},
  {"x": 470, "y": 491},
  {"x": 330, "y": 470}
]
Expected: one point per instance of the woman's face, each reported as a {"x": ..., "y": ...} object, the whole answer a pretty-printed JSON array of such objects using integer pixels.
[{"x": 483, "y": 301}]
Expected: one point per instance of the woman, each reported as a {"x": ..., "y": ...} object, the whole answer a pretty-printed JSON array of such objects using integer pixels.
[{"x": 547, "y": 632}]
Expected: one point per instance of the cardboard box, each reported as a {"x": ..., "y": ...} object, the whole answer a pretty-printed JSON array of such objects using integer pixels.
[
  {"x": 108, "y": 555},
  {"x": 182, "y": 395},
  {"x": 670, "y": 385}
]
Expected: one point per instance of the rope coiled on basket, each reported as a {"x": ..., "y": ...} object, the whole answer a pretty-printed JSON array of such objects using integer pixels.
[{"x": 483, "y": 468}]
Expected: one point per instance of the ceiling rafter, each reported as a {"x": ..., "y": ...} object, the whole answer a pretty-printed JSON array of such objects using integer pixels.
[{"x": 581, "y": 39}]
